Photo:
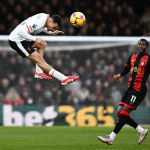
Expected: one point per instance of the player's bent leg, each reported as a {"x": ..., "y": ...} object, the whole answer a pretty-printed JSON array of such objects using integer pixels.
[
  {"x": 106, "y": 139},
  {"x": 39, "y": 72},
  {"x": 130, "y": 121},
  {"x": 142, "y": 136},
  {"x": 42, "y": 64},
  {"x": 48, "y": 69}
]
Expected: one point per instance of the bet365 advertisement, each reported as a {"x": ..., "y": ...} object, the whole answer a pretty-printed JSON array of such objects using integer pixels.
[{"x": 66, "y": 115}]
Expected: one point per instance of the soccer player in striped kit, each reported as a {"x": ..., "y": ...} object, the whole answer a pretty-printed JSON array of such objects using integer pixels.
[
  {"x": 22, "y": 40},
  {"x": 138, "y": 65}
]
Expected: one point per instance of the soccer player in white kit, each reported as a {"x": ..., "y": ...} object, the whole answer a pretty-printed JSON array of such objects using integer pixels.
[{"x": 22, "y": 40}]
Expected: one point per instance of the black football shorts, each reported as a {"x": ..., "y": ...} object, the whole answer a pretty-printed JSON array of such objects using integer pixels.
[
  {"x": 133, "y": 98},
  {"x": 24, "y": 48}
]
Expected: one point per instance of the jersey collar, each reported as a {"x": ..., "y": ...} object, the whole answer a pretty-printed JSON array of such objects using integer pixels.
[{"x": 48, "y": 16}]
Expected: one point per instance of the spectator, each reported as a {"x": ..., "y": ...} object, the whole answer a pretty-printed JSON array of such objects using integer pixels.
[
  {"x": 83, "y": 94},
  {"x": 12, "y": 79},
  {"x": 27, "y": 99},
  {"x": 4, "y": 86},
  {"x": 103, "y": 68},
  {"x": 106, "y": 95},
  {"x": 59, "y": 65},
  {"x": 2, "y": 28},
  {"x": 146, "y": 16},
  {"x": 13, "y": 98},
  {"x": 88, "y": 68},
  {"x": 11, "y": 5},
  {"x": 111, "y": 73},
  {"x": 114, "y": 31},
  {"x": 98, "y": 89},
  {"x": 119, "y": 65},
  {"x": 4, "y": 12},
  {"x": 65, "y": 95},
  {"x": 116, "y": 94},
  {"x": 73, "y": 66},
  {"x": 21, "y": 84},
  {"x": 110, "y": 58},
  {"x": 73, "y": 99},
  {"x": 128, "y": 31},
  {"x": 91, "y": 99},
  {"x": 38, "y": 94},
  {"x": 2, "y": 99},
  {"x": 81, "y": 72},
  {"x": 47, "y": 96},
  {"x": 18, "y": 12},
  {"x": 3, "y": 57}
]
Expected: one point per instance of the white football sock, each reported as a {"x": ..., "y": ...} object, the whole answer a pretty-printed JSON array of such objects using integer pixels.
[
  {"x": 112, "y": 136},
  {"x": 57, "y": 74},
  {"x": 38, "y": 69},
  {"x": 139, "y": 129}
]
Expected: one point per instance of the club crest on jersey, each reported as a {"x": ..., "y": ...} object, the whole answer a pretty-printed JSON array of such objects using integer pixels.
[
  {"x": 34, "y": 26},
  {"x": 142, "y": 63},
  {"x": 131, "y": 103}
]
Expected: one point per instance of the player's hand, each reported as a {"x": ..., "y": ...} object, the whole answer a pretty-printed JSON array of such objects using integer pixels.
[
  {"x": 116, "y": 77},
  {"x": 57, "y": 32},
  {"x": 41, "y": 41}
]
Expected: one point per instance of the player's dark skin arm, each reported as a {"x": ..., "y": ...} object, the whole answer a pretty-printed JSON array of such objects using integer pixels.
[
  {"x": 57, "y": 32},
  {"x": 125, "y": 71}
]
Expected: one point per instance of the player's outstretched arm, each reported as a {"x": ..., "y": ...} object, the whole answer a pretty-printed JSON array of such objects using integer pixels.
[
  {"x": 23, "y": 32},
  {"x": 116, "y": 77},
  {"x": 56, "y": 32},
  {"x": 124, "y": 72}
]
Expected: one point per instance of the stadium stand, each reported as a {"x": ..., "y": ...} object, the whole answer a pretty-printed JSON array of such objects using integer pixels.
[{"x": 103, "y": 17}]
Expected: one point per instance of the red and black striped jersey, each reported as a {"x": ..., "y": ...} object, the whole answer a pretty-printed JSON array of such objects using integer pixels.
[{"x": 139, "y": 67}]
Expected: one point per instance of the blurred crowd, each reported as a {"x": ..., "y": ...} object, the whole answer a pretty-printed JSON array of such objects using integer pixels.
[
  {"x": 96, "y": 70},
  {"x": 103, "y": 17}
]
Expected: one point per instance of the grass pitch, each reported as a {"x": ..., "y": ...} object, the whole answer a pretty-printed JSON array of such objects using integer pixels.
[{"x": 68, "y": 138}]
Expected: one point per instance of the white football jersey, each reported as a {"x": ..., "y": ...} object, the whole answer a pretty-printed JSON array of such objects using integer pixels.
[{"x": 34, "y": 24}]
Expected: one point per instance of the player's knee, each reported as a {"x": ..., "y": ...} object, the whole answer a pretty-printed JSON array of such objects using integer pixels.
[
  {"x": 128, "y": 109},
  {"x": 38, "y": 46},
  {"x": 42, "y": 47},
  {"x": 125, "y": 112},
  {"x": 118, "y": 114}
]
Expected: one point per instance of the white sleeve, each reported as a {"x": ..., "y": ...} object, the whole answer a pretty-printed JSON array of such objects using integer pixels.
[
  {"x": 45, "y": 30},
  {"x": 24, "y": 33}
]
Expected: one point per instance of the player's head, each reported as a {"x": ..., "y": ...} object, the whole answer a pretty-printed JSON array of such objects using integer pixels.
[
  {"x": 54, "y": 23},
  {"x": 142, "y": 46}
]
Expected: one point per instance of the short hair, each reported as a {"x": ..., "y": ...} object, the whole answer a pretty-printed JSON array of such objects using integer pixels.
[
  {"x": 56, "y": 19},
  {"x": 144, "y": 41}
]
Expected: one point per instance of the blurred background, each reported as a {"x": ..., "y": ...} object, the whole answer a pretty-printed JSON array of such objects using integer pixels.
[{"x": 95, "y": 67}]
